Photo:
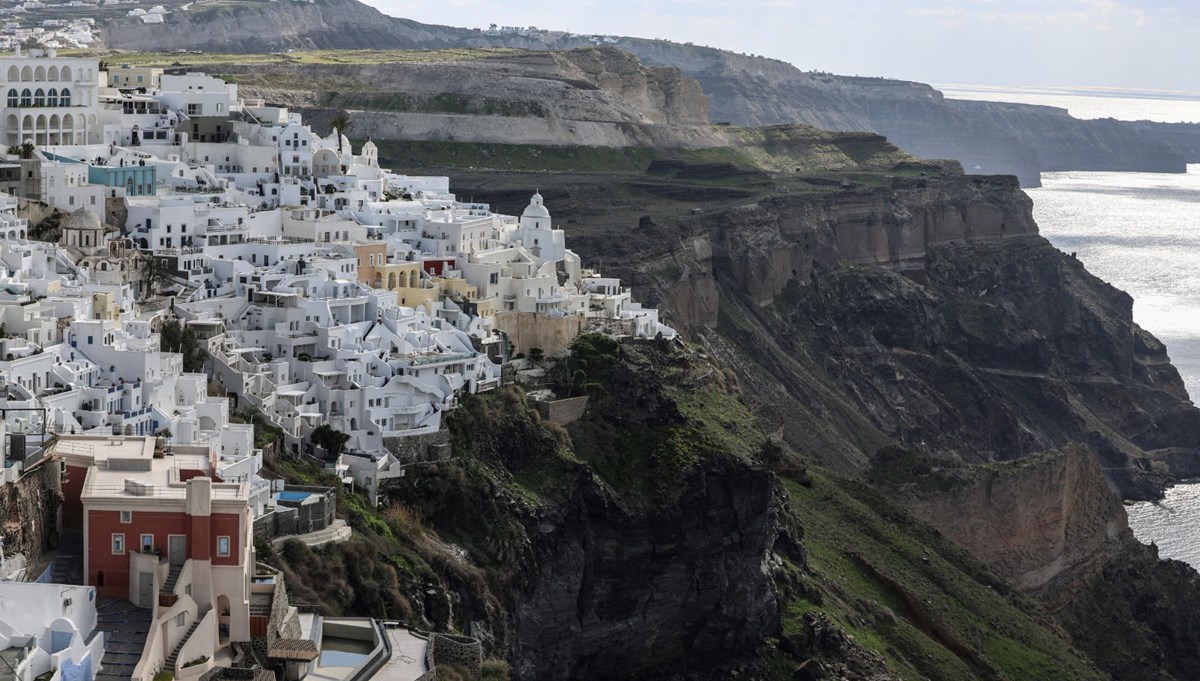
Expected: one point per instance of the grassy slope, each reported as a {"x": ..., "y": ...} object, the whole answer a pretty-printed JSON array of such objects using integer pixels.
[{"x": 925, "y": 605}]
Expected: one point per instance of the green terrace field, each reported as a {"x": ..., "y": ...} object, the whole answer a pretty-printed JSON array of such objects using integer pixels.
[{"x": 297, "y": 57}]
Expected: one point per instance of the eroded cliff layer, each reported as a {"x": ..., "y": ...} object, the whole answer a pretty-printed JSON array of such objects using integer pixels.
[
  {"x": 930, "y": 314},
  {"x": 585, "y": 97},
  {"x": 1046, "y": 523}
]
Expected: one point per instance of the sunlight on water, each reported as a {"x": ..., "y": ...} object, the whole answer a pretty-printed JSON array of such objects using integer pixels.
[
  {"x": 1173, "y": 523},
  {"x": 1125, "y": 105},
  {"x": 1141, "y": 233}
]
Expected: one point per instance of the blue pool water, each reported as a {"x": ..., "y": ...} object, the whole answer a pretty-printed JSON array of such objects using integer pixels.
[{"x": 294, "y": 496}]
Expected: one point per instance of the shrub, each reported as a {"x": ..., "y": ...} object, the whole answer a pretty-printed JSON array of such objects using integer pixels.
[
  {"x": 494, "y": 670},
  {"x": 199, "y": 660}
]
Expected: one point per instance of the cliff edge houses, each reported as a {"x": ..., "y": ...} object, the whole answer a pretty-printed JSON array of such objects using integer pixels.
[{"x": 173, "y": 257}]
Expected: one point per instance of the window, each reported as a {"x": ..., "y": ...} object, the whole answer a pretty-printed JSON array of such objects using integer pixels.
[
  {"x": 181, "y": 619},
  {"x": 222, "y": 546},
  {"x": 147, "y": 543},
  {"x": 118, "y": 544},
  {"x": 126, "y": 516}
]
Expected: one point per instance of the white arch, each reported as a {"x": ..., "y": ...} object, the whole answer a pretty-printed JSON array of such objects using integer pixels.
[
  {"x": 52, "y": 73},
  {"x": 39, "y": 73},
  {"x": 14, "y": 74},
  {"x": 65, "y": 74},
  {"x": 26, "y": 74}
]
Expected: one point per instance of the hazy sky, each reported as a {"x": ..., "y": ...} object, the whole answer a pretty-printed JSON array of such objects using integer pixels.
[{"x": 1147, "y": 44}]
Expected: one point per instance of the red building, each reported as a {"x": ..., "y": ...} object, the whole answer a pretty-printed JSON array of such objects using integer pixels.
[{"x": 158, "y": 527}]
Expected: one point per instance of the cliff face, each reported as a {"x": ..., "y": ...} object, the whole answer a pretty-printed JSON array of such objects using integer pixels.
[
  {"x": 929, "y": 314},
  {"x": 1046, "y": 523},
  {"x": 585, "y": 97},
  {"x": 276, "y": 26},
  {"x": 986, "y": 138},
  {"x": 612, "y": 594},
  {"x": 632, "y": 552}
]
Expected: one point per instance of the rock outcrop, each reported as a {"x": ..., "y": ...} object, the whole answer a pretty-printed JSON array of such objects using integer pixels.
[
  {"x": 585, "y": 97},
  {"x": 934, "y": 311},
  {"x": 1046, "y": 523},
  {"x": 614, "y": 594}
]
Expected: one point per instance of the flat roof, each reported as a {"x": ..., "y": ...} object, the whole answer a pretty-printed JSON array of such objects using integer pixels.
[{"x": 125, "y": 468}]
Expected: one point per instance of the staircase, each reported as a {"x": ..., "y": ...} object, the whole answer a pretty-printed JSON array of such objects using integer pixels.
[
  {"x": 125, "y": 626},
  {"x": 68, "y": 560},
  {"x": 169, "y": 663},
  {"x": 172, "y": 578}
]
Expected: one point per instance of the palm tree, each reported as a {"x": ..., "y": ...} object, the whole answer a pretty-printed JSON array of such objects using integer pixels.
[
  {"x": 341, "y": 123},
  {"x": 24, "y": 150}
]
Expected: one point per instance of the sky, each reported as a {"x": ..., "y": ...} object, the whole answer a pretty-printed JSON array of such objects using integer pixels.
[{"x": 1130, "y": 44}]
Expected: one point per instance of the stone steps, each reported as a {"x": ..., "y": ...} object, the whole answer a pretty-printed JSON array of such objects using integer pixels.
[{"x": 169, "y": 663}]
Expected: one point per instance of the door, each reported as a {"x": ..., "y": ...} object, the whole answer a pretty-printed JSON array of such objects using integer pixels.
[
  {"x": 177, "y": 549},
  {"x": 146, "y": 589},
  {"x": 60, "y": 641}
]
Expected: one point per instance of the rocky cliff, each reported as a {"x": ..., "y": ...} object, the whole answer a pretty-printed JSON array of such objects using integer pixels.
[
  {"x": 585, "y": 97},
  {"x": 611, "y": 553},
  {"x": 986, "y": 138},
  {"x": 1047, "y": 523},
  {"x": 927, "y": 312}
]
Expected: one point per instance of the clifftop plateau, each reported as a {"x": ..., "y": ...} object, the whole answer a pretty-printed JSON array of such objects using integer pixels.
[{"x": 985, "y": 137}]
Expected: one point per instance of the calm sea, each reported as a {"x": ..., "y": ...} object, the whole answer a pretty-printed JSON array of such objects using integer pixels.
[{"x": 1140, "y": 232}]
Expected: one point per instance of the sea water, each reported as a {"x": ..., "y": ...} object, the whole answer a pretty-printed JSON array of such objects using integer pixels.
[{"x": 1141, "y": 233}]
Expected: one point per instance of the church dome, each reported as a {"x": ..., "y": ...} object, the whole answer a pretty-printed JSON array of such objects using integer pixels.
[
  {"x": 535, "y": 209},
  {"x": 81, "y": 219}
]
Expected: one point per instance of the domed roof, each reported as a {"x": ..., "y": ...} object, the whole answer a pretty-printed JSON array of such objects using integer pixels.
[
  {"x": 81, "y": 219},
  {"x": 535, "y": 209}
]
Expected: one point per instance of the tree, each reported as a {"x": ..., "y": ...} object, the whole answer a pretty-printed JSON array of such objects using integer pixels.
[
  {"x": 156, "y": 274},
  {"x": 341, "y": 123},
  {"x": 588, "y": 369},
  {"x": 330, "y": 439},
  {"x": 24, "y": 150},
  {"x": 166, "y": 435},
  {"x": 178, "y": 337}
]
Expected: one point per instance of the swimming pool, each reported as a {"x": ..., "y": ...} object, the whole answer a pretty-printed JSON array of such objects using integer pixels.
[
  {"x": 344, "y": 652},
  {"x": 294, "y": 497}
]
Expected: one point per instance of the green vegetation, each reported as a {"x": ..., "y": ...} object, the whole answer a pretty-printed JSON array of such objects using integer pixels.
[
  {"x": 522, "y": 157},
  {"x": 799, "y": 148},
  {"x": 198, "y": 661},
  {"x": 894, "y": 466},
  {"x": 297, "y": 57},
  {"x": 437, "y": 102},
  {"x": 928, "y": 608},
  {"x": 179, "y": 337},
  {"x": 330, "y": 439},
  {"x": 654, "y": 416}
]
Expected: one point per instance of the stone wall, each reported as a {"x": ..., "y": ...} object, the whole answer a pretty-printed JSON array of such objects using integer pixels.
[
  {"x": 563, "y": 412},
  {"x": 311, "y": 517},
  {"x": 29, "y": 513},
  {"x": 279, "y": 523},
  {"x": 528, "y": 330},
  {"x": 460, "y": 651},
  {"x": 287, "y": 520},
  {"x": 416, "y": 448}
]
